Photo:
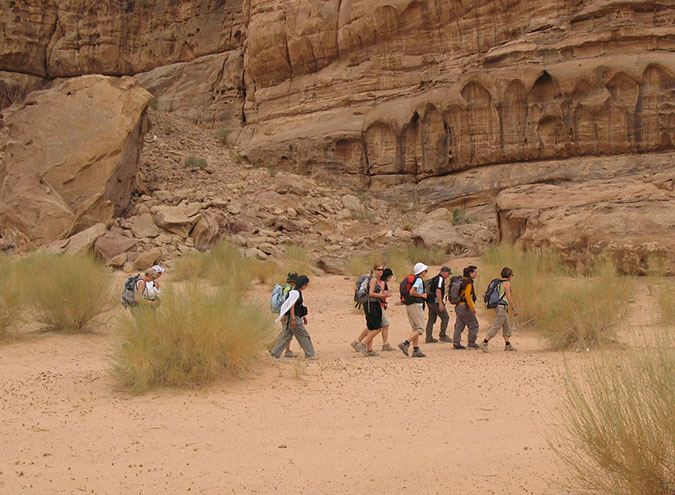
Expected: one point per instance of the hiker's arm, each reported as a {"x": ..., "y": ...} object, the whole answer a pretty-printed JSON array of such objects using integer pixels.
[
  {"x": 469, "y": 299},
  {"x": 292, "y": 316},
  {"x": 139, "y": 291},
  {"x": 509, "y": 297},
  {"x": 439, "y": 299},
  {"x": 414, "y": 293},
  {"x": 371, "y": 290}
]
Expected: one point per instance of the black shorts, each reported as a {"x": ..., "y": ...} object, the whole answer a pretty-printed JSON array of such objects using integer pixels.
[{"x": 373, "y": 312}]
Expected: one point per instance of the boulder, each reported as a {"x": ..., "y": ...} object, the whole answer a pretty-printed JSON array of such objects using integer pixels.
[
  {"x": 207, "y": 231},
  {"x": 143, "y": 226},
  {"x": 112, "y": 244},
  {"x": 629, "y": 218},
  {"x": 79, "y": 243},
  {"x": 62, "y": 175},
  {"x": 255, "y": 253},
  {"x": 331, "y": 265},
  {"x": 118, "y": 261},
  {"x": 176, "y": 219},
  {"x": 147, "y": 259},
  {"x": 439, "y": 233},
  {"x": 352, "y": 203}
]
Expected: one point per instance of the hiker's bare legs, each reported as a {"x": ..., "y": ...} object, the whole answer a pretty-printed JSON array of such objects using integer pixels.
[
  {"x": 385, "y": 335},
  {"x": 368, "y": 341},
  {"x": 363, "y": 335},
  {"x": 414, "y": 338}
]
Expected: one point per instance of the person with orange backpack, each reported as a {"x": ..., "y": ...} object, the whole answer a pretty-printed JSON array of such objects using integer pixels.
[{"x": 414, "y": 297}]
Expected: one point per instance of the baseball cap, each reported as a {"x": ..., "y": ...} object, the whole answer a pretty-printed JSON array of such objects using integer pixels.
[{"x": 446, "y": 269}]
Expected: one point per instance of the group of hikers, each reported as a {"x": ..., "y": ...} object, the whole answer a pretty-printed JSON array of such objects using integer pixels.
[{"x": 372, "y": 292}]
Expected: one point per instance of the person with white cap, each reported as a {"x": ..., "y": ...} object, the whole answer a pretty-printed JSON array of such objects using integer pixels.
[
  {"x": 152, "y": 288},
  {"x": 414, "y": 297}
]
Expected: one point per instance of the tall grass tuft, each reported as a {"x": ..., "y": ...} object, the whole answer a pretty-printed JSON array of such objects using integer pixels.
[
  {"x": 198, "y": 336},
  {"x": 567, "y": 310},
  {"x": 223, "y": 265},
  {"x": 364, "y": 263},
  {"x": 12, "y": 295},
  {"x": 68, "y": 293},
  {"x": 666, "y": 301},
  {"x": 396, "y": 257},
  {"x": 296, "y": 259},
  {"x": 618, "y": 433},
  {"x": 427, "y": 256}
]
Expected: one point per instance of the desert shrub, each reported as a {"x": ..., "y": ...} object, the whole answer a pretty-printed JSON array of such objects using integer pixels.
[
  {"x": 459, "y": 217},
  {"x": 69, "y": 293},
  {"x": 365, "y": 215},
  {"x": 666, "y": 301},
  {"x": 167, "y": 129},
  {"x": 296, "y": 259},
  {"x": 222, "y": 135},
  {"x": 266, "y": 272},
  {"x": 271, "y": 169},
  {"x": 396, "y": 258},
  {"x": 197, "y": 336},
  {"x": 12, "y": 295},
  {"x": 223, "y": 265},
  {"x": 568, "y": 310},
  {"x": 618, "y": 435},
  {"x": 153, "y": 104},
  {"x": 428, "y": 256},
  {"x": 194, "y": 162},
  {"x": 362, "y": 264}
]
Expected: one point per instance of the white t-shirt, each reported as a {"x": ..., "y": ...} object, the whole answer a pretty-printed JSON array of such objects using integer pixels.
[
  {"x": 151, "y": 292},
  {"x": 419, "y": 287}
]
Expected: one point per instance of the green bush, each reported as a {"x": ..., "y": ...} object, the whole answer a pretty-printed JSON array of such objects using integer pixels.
[
  {"x": 197, "y": 336},
  {"x": 222, "y": 135},
  {"x": 223, "y": 265},
  {"x": 69, "y": 293},
  {"x": 12, "y": 295},
  {"x": 459, "y": 217},
  {"x": 618, "y": 433},
  {"x": 194, "y": 162}
]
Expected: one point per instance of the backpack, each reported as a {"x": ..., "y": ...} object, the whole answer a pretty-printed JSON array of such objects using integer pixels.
[
  {"x": 455, "y": 292},
  {"x": 405, "y": 288},
  {"x": 491, "y": 296},
  {"x": 129, "y": 292},
  {"x": 430, "y": 287},
  {"x": 362, "y": 290},
  {"x": 279, "y": 296}
]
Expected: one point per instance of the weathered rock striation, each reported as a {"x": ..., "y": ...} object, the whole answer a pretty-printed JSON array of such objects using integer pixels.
[{"x": 69, "y": 156}]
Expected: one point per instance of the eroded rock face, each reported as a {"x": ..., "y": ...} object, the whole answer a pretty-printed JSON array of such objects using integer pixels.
[
  {"x": 70, "y": 156},
  {"x": 630, "y": 218}
]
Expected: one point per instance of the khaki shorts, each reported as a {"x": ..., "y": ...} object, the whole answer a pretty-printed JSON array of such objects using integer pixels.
[{"x": 416, "y": 317}]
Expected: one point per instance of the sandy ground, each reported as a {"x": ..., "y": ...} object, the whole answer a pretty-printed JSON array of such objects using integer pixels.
[{"x": 460, "y": 422}]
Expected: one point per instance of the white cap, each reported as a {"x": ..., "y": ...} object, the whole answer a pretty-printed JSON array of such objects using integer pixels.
[
  {"x": 420, "y": 267},
  {"x": 158, "y": 269}
]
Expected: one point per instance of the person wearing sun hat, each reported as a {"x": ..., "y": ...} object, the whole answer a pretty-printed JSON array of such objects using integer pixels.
[
  {"x": 152, "y": 288},
  {"x": 415, "y": 312}
]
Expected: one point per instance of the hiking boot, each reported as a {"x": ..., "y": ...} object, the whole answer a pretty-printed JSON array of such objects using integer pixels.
[
  {"x": 355, "y": 345},
  {"x": 473, "y": 346},
  {"x": 386, "y": 347},
  {"x": 404, "y": 347},
  {"x": 508, "y": 347},
  {"x": 458, "y": 346},
  {"x": 290, "y": 354},
  {"x": 483, "y": 346},
  {"x": 362, "y": 348},
  {"x": 372, "y": 353},
  {"x": 418, "y": 353},
  {"x": 431, "y": 340},
  {"x": 444, "y": 338},
  {"x": 313, "y": 357}
]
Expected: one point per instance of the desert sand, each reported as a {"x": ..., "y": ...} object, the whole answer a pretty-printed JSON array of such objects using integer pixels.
[{"x": 461, "y": 422}]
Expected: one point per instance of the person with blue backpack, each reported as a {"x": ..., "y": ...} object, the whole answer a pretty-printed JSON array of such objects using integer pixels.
[
  {"x": 295, "y": 312},
  {"x": 386, "y": 275},
  {"x": 500, "y": 297},
  {"x": 279, "y": 295}
]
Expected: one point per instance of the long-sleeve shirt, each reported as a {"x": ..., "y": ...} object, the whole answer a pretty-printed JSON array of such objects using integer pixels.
[{"x": 468, "y": 296}]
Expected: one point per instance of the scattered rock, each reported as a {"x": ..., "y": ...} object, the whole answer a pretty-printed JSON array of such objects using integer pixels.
[
  {"x": 143, "y": 226},
  {"x": 147, "y": 259},
  {"x": 176, "y": 219}
]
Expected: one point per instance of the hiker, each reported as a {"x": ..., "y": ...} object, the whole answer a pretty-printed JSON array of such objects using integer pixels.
[
  {"x": 437, "y": 309},
  {"x": 296, "y": 319},
  {"x": 291, "y": 278},
  {"x": 152, "y": 288},
  {"x": 372, "y": 307},
  {"x": 413, "y": 296},
  {"x": 135, "y": 289},
  {"x": 500, "y": 290},
  {"x": 466, "y": 310}
]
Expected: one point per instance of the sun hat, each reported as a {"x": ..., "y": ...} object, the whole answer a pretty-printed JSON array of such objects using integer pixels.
[
  {"x": 158, "y": 269},
  {"x": 420, "y": 267}
]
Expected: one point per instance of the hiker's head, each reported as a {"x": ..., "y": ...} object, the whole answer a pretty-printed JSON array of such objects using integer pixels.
[
  {"x": 378, "y": 268},
  {"x": 150, "y": 274},
  {"x": 291, "y": 278},
  {"x": 507, "y": 273},
  {"x": 386, "y": 274},
  {"x": 420, "y": 269},
  {"x": 446, "y": 272},
  {"x": 471, "y": 272},
  {"x": 159, "y": 270},
  {"x": 301, "y": 282}
]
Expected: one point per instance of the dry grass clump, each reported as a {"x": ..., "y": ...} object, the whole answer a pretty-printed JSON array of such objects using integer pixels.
[
  {"x": 198, "y": 336},
  {"x": 296, "y": 259},
  {"x": 618, "y": 433},
  {"x": 397, "y": 257},
  {"x": 68, "y": 293},
  {"x": 12, "y": 295},
  {"x": 427, "y": 256},
  {"x": 364, "y": 263},
  {"x": 223, "y": 265},
  {"x": 266, "y": 272},
  {"x": 568, "y": 310},
  {"x": 665, "y": 297}
]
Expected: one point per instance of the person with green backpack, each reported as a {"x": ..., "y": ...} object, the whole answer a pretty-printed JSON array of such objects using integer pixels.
[
  {"x": 500, "y": 297},
  {"x": 278, "y": 300}
]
